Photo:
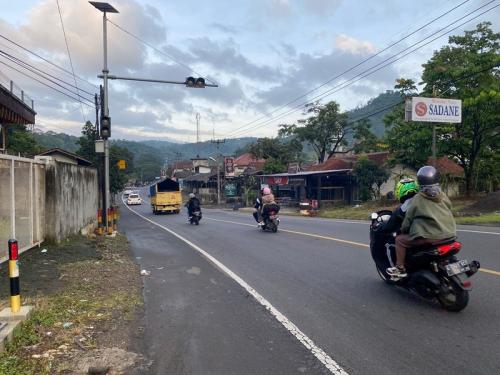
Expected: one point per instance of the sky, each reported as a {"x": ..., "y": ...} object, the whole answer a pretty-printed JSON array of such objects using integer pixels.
[{"x": 268, "y": 58}]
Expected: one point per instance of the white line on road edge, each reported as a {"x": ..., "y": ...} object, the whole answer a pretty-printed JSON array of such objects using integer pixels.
[{"x": 319, "y": 353}]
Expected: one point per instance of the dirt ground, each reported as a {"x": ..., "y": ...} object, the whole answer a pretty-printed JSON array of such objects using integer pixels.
[
  {"x": 88, "y": 299},
  {"x": 489, "y": 203}
]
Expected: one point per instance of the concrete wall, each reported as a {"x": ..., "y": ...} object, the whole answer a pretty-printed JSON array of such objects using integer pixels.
[{"x": 71, "y": 199}]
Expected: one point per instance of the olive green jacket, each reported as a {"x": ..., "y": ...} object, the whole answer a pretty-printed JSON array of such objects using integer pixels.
[{"x": 429, "y": 217}]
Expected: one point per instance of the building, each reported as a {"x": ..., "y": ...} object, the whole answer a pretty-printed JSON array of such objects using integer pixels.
[
  {"x": 247, "y": 161},
  {"x": 63, "y": 156}
]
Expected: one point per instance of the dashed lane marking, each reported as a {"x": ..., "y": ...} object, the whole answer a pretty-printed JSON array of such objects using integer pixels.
[
  {"x": 319, "y": 353},
  {"x": 359, "y": 244}
]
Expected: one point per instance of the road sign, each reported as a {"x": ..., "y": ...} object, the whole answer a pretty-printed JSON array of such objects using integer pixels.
[
  {"x": 436, "y": 110},
  {"x": 121, "y": 164}
]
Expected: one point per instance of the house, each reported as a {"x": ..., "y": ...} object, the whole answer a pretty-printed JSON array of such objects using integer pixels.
[
  {"x": 247, "y": 160},
  {"x": 63, "y": 156}
]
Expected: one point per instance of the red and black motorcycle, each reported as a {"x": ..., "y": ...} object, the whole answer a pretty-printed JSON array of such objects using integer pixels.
[
  {"x": 433, "y": 272},
  {"x": 270, "y": 217}
]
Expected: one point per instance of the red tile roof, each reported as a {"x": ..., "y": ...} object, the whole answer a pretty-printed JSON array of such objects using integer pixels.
[
  {"x": 349, "y": 161},
  {"x": 245, "y": 160},
  {"x": 446, "y": 166}
]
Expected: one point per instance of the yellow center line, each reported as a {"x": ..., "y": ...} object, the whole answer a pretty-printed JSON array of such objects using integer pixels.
[{"x": 359, "y": 244}]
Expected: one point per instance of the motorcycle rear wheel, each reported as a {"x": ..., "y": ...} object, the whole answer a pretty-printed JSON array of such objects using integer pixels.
[{"x": 452, "y": 297}]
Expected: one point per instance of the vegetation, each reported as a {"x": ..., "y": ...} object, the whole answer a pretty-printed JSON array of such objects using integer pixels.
[
  {"x": 277, "y": 152},
  {"x": 21, "y": 141},
  {"x": 370, "y": 178},
  {"x": 467, "y": 69}
]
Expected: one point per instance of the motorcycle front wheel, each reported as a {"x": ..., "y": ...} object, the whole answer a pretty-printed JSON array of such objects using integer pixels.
[{"x": 452, "y": 297}]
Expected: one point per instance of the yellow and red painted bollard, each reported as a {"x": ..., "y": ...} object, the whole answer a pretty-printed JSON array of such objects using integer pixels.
[
  {"x": 99, "y": 222},
  {"x": 15, "y": 292},
  {"x": 110, "y": 221},
  {"x": 115, "y": 218}
]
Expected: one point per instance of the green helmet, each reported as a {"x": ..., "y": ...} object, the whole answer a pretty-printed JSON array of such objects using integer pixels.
[{"x": 406, "y": 188}]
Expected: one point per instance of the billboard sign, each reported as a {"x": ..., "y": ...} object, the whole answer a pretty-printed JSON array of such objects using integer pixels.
[
  {"x": 277, "y": 180},
  {"x": 230, "y": 189},
  {"x": 229, "y": 167},
  {"x": 436, "y": 110}
]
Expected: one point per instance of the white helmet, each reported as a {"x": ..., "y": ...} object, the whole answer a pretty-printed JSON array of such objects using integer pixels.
[{"x": 191, "y": 195}]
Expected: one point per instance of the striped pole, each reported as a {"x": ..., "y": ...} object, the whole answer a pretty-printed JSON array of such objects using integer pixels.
[
  {"x": 110, "y": 220},
  {"x": 115, "y": 218},
  {"x": 15, "y": 297},
  {"x": 99, "y": 222}
]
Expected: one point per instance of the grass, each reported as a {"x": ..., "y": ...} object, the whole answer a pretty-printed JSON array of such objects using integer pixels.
[
  {"x": 96, "y": 291},
  {"x": 481, "y": 219}
]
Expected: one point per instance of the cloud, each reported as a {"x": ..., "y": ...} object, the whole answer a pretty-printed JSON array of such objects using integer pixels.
[
  {"x": 322, "y": 7},
  {"x": 226, "y": 29},
  {"x": 349, "y": 44}
]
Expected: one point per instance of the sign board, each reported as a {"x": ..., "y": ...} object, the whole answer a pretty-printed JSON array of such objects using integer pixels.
[
  {"x": 230, "y": 189},
  {"x": 121, "y": 164},
  {"x": 99, "y": 146},
  {"x": 229, "y": 167},
  {"x": 436, "y": 110},
  {"x": 277, "y": 180}
]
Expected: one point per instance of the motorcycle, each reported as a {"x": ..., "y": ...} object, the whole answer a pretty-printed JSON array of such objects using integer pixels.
[
  {"x": 195, "y": 218},
  {"x": 271, "y": 218},
  {"x": 433, "y": 272}
]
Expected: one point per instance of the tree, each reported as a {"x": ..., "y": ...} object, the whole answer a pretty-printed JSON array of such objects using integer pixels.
[
  {"x": 277, "y": 152},
  {"x": 325, "y": 130},
  {"x": 364, "y": 139},
  {"x": 21, "y": 141},
  {"x": 370, "y": 178},
  {"x": 118, "y": 178},
  {"x": 86, "y": 142},
  {"x": 467, "y": 69}
]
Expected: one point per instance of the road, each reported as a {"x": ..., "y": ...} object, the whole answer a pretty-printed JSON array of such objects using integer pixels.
[{"x": 203, "y": 317}]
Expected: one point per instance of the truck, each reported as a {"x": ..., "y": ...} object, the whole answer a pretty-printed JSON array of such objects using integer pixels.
[{"x": 165, "y": 196}]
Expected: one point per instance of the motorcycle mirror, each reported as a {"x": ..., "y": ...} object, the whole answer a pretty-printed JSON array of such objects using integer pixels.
[{"x": 374, "y": 216}]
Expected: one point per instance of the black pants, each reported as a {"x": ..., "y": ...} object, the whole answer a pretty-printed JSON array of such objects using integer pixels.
[{"x": 256, "y": 217}]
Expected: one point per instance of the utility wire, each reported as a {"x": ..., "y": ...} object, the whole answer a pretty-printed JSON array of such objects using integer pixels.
[
  {"x": 69, "y": 55},
  {"x": 357, "y": 65},
  {"x": 368, "y": 71},
  {"x": 48, "y": 79},
  {"x": 46, "y": 60},
  {"x": 45, "y": 84},
  {"x": 159, "y": 51},
  {"x": 24, "y": 64}
]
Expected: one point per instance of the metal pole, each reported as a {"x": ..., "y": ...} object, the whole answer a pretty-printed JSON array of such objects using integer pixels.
[
  {"x": 105, "y": 110},
  {"x": 434, "y": 144},
  {"x": 218, "y": 181}
]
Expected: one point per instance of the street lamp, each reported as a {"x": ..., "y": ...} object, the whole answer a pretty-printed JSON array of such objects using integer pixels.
[
  {"x": 218, "y": 179},
  {"x": 106, "y": 120}
]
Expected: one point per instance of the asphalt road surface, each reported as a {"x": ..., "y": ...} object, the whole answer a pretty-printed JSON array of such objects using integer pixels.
[{"x": 304, "y": 300}]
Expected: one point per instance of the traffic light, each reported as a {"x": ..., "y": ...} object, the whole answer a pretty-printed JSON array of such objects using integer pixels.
[
  {"x": 195, "y": 82},
  {"x": 105, "y": 127}
]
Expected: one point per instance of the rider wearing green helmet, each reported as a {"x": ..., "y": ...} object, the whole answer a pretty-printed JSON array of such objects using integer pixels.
[{"x": 405, "y": 190}]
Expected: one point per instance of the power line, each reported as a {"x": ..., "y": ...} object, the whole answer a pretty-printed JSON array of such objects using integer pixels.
[
  {"x": 69, "y": 55},
  {"x": 48, "y": 79},
  {"x": 24, "y": 64},
  {"x": 46, "y": 60},
  {"x": 357, "y": 65},
  {"x": 159, "y": 51},
  {"x": 370, "y": 70},
  {"x": 45, "y": 84}
]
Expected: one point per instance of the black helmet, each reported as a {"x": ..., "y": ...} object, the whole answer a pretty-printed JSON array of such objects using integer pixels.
[{"x": 427, "y": 175}]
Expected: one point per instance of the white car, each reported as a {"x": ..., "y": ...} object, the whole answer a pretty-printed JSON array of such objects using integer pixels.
[
  {"x": 126, "y": 193},
  {"x": 134, "y": 199}
]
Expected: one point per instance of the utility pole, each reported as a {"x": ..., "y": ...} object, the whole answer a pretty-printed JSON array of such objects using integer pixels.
[
  {"x": 198, "y": 134},
  {"x": 218, "y": 142}
]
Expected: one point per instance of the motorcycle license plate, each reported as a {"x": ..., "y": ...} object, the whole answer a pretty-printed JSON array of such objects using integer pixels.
[{"x": 457, "y": 268}]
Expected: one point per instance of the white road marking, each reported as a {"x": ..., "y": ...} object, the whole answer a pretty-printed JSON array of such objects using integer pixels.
[
  {"x": 477, "y": 231},
  {"x": 319, "y": 353}
]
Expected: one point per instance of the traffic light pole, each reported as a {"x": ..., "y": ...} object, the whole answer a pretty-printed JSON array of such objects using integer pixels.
[{"x": 105, "y": 112}]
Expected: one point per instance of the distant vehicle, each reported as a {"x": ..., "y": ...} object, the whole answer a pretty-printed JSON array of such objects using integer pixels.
[
  {"x": 195, "y": 218},
  {"x": 270, "y": 217},
  {"x": 165, "y": 196},
  {"x": 134, "y": 199},
  {"x": 126, "y": 193}
]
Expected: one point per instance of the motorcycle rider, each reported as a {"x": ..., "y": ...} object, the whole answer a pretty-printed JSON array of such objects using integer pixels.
[
  {"x": 405, "y": 190},
  {"x": 428, "y": 220},
  {"x": 267, "y": 199},
  {"x": 192, "y": 205}
]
